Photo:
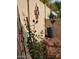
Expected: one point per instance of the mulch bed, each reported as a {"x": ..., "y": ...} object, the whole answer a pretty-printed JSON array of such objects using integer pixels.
[{"x": 54, "y": 48}]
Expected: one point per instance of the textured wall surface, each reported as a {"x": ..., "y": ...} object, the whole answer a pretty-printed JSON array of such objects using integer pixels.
[
  {"x": 36, "y": 9},
  {"x": 23, "y": 11}
]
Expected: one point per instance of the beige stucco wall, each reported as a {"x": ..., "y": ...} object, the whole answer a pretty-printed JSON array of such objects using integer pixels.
[
  {"x": 40, "y": 26},
  {"x": 47, "y": 12},
  {"x": 23, "y": 11}
]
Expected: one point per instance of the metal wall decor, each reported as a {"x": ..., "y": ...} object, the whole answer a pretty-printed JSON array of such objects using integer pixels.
[
  {"x": 25, "y": 20},
  {"x": 33, "y": 20},
  {"x": 36, "y": 12},
  {"x": 42, "y": 32}
]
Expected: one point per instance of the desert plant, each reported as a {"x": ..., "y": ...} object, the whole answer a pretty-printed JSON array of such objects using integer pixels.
[{"x": 37, "y": 49}]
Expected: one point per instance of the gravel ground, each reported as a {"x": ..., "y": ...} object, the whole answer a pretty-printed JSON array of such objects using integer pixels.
[{"x": 54, "y": 44}]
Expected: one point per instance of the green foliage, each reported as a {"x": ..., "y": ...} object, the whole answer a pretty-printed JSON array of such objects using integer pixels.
[
  {"x": 53, "y": 6},
  {"x": 58, "y": 5},
  {"x": 47, "y": 2},
  {"x": 37, "y": 49}
]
